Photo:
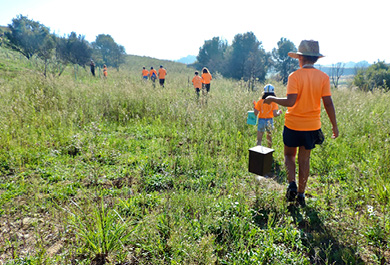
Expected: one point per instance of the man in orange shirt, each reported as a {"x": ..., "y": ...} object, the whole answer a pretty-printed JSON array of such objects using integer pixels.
[
  {"x": 197, "y": 82},
  {"x": 145, "y": 74},
  {"x": 161, "y": 75},
  {"x": 305, "y": 89}
]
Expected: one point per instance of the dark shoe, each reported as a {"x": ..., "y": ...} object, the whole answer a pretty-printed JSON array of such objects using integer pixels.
[
  {"x": 301, "y": 199},
  {"x": 292, "y": 191}
]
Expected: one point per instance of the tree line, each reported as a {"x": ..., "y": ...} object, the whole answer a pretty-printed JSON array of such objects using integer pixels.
[
  {"x": 34, "y": 40},
  {"x": 246, "y": 58}
]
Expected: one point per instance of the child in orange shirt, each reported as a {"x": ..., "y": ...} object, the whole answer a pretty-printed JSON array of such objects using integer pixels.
[
  {"x": 105, "y": 71},
  {"x": 197, "y": 82},
  {"x": 153, "y": 74},
  {"x": 161, "y": 75},
  {"x": 265, "y": 114},
  {"x": 306, "y": 87},
  {"x": 206, "y": 78},
  {"x": 145, "y": 73}
]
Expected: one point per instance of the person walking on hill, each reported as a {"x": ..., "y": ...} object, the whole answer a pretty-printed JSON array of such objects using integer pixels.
[
  {"x": 206, "y": 79},
  {"x": 302, "y": 127},
  {"x": 145, "y": 74},
  {"x": 197, "y": 82},
  {"x": 161, "y": 75},
  {"x": 153, "y": 75},
  {"x": 265, "y": 114},
  {"x": 92, "y": 64}
]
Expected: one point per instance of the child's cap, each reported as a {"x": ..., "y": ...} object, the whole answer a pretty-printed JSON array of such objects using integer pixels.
[{"x": 269, "y": 88}]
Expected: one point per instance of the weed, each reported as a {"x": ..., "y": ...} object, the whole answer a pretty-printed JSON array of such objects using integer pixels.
[{"x": 102, "y": 231}]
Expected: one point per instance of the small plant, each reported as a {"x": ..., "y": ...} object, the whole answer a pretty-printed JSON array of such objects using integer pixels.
[{"x": 101, "y": 232}]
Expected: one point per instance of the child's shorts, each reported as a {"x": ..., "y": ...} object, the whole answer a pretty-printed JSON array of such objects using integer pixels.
[
  {"x": 265, "y": 125},
  {"x": 308, "y": 139}
]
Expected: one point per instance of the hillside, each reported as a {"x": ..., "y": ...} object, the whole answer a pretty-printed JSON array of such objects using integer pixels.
[
  {"x": 118, "y": 171},
  {"x": 3, "y": 29}
]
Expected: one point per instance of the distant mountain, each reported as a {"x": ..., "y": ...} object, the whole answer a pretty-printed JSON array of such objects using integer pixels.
[
  {"x": 187, "y": 60},
  {"x": 350, "y": 68},
  {"x": 359, "y": 64}
]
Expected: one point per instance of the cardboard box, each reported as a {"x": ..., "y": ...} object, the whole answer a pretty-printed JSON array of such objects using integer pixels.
[{"x": 260, "y": 160}]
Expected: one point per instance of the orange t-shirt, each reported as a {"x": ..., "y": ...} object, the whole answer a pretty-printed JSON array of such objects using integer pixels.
[
  {"x": 310, "y": 85},
  {"x": 197, "y": 81},
  {"x": 105, "y": 71},
  {"x": 266, "y": 111},
  {"x": 153, "y": 71},
  {"x": 206, "y": 78},
  {"x": 162, "y": 73},
  {"x": 145, "y": 72}
]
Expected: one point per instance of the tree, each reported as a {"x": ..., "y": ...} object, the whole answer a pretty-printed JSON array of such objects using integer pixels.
[
  {"x": 46, "y": 53},
  {"x": 74, "y": 49},
  {"x": 118, "y": 57},
  {"x": 107, "y": 51},
  {"x": 29, "y": 37},
  {"x": 360, "y": 66},
  {"x": 247, "y": 58},
  {"x": 211, "y": 54},
  {"x": 283, "y": 63},
  {"x": 376, "y": 75},
  {"x": 336, "y": 71}
]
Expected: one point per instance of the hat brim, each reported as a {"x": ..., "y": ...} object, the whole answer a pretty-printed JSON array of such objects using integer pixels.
[{"x": 295, "y": 55}]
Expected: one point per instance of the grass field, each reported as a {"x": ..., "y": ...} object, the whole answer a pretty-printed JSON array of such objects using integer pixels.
[{"x": 117, "y": 171}]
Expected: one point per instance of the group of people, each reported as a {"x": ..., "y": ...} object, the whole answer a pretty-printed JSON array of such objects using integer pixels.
[
  {"x": 306, "y": 87},
  {"x": 92, "y": 65},
  {"x": 153, "y": 75},
  {"x": 202, "y": 82}
]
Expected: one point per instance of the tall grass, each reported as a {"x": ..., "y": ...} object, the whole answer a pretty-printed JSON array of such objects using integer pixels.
[{"x": 177, "y": 167}]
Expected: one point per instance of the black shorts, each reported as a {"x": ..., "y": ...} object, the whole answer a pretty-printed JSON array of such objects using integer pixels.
[
  {"x": 207, "y": 87},
  {"x": 308, "y": 139},
  {"x": 162, "y": 81}
]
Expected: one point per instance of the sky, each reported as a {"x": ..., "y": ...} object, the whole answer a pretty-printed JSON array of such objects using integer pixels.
[{"x": 347, "y": 31}]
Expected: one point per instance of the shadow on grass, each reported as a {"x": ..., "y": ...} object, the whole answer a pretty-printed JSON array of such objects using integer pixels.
[
  {"x": 323, "y": 247},
  {"x": 277, "y": 173}
]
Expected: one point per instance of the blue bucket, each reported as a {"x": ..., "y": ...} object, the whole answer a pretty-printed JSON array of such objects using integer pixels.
[{"x": 251, "y": 120}]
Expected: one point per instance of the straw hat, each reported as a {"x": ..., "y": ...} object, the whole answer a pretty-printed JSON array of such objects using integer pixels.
[{"x": 308, "y": 48}]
